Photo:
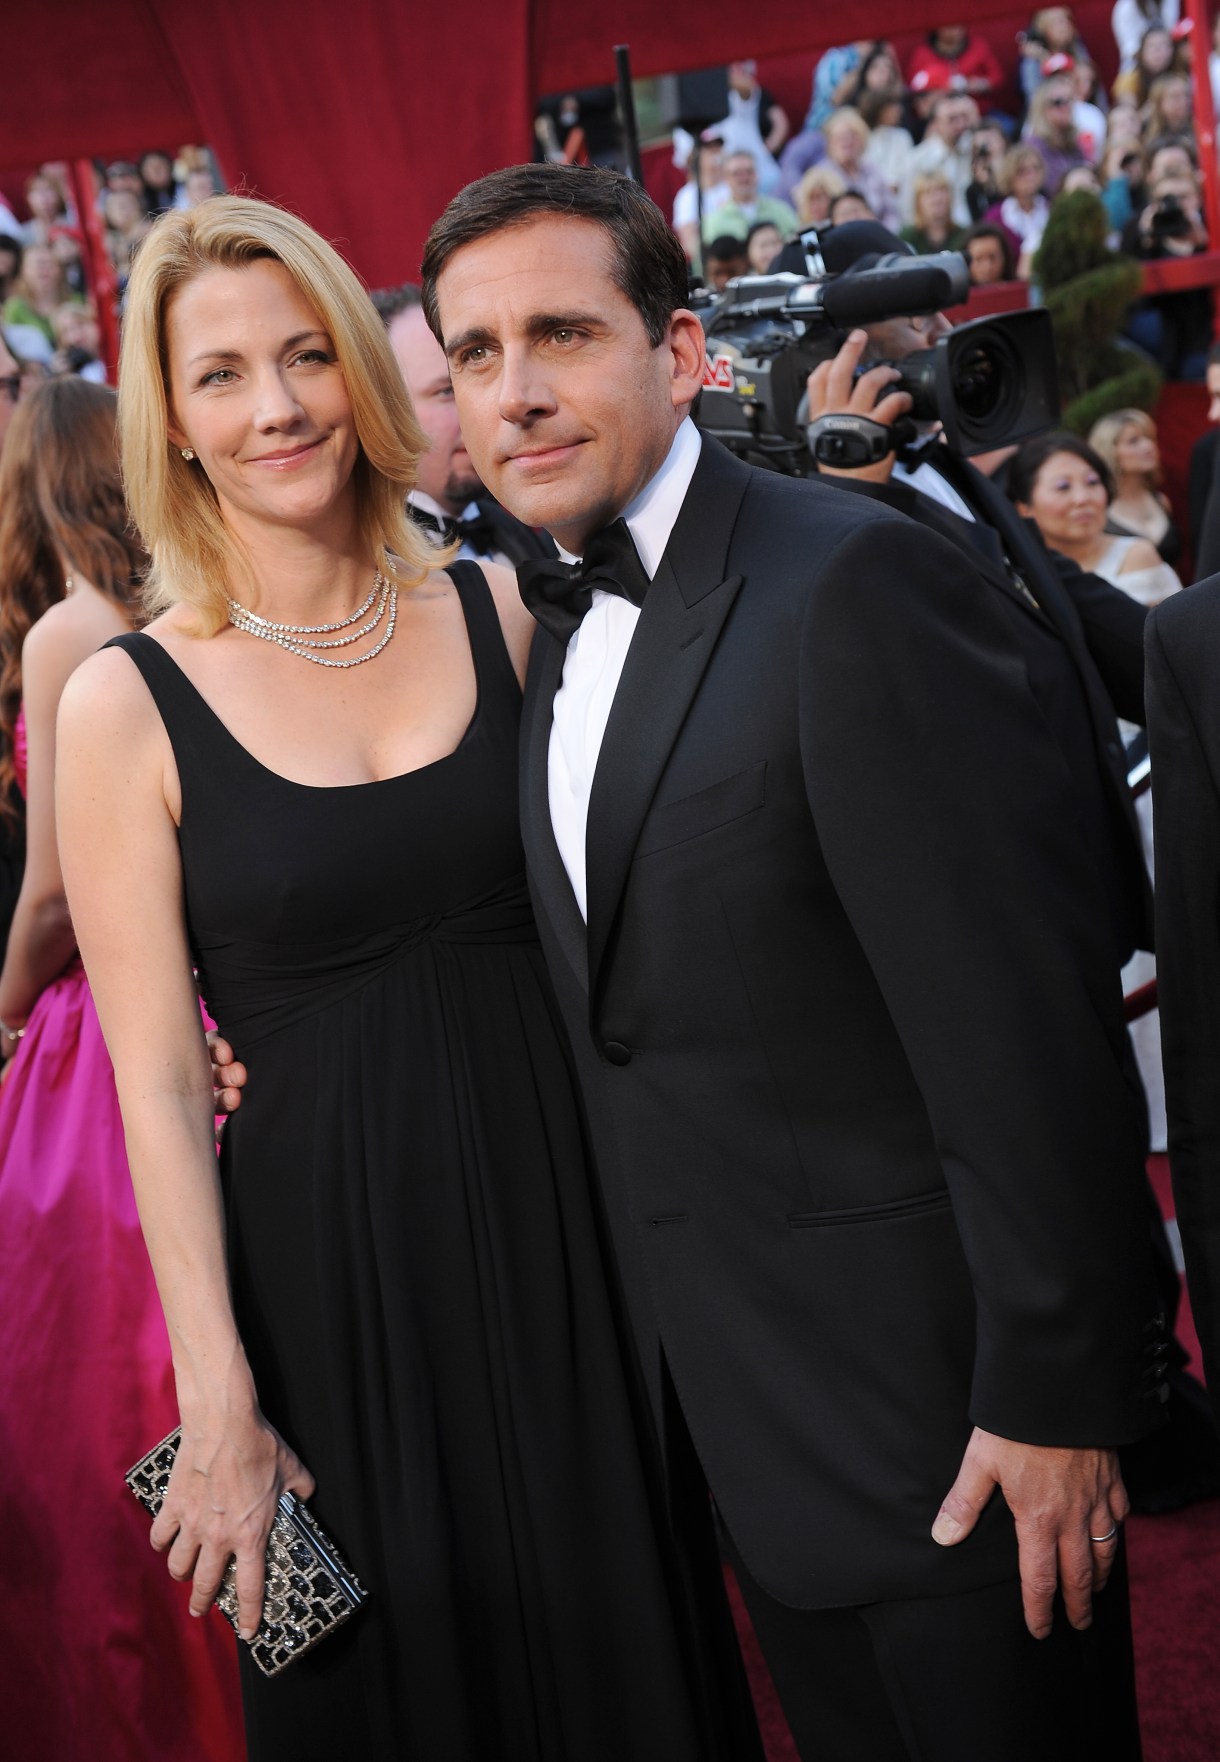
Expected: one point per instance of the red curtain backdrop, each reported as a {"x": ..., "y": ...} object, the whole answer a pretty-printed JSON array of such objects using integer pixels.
[{"x": 366, "y": 116}]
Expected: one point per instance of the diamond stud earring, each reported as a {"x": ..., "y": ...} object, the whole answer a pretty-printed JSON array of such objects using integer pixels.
[{"x": 188, "y": 452}]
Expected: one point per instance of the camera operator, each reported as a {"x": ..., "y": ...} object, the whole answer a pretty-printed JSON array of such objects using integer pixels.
[
  {"x": 1081, "y": 642},
  {"x": 1082, "y": 639}
]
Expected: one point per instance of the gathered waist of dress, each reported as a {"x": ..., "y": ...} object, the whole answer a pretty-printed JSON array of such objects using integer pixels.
[{"x": 257, "y": 987}]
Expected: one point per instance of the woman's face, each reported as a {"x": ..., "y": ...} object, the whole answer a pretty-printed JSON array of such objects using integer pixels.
[
  {"x": 881, "y": 74},
  {"x": 40, "y": 270},
  {"x": 157, "y": 171},
  {"x": 123, "y": 209},
  {"x": 1057, "y": 107},
  {"x": 1124, "y": 123},
  {"x": 1058, "y": 28},
  {"x": 1175, "y": 105},
  {"x": 257, "y": 390},
  {"x": 934, "y": 205},
  {"x": 1136, "y": 451},
  {"x": 986, "y": 259},
  {"x": 815, "y": 206},
  {"x": 1156, "y": 52},
  {"x": 1027, "y": 178},
  {"x": 763, "y": 248},
  {"x": 1068, "y": 501},
  {"x": 43, "y": 199},
  {"x": 845, "y": 142}
]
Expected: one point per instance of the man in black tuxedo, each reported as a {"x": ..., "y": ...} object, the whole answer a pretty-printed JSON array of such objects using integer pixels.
[
  {"x": 448, "y": 500},
  {"x": 833, "y": 951},
  {"x": 1184, "y": 740}
]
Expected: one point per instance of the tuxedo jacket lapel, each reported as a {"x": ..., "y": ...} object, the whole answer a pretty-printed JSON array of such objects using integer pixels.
[
  {"x": 687, "y": 604},
  {"x": 552, "y": 889}
]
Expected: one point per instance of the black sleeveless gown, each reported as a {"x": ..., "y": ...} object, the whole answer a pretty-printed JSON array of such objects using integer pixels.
[{"x": 416, "y": 1261}]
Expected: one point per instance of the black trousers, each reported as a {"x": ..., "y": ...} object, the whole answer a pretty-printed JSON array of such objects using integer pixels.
[{"x": 951, "y": 1679}]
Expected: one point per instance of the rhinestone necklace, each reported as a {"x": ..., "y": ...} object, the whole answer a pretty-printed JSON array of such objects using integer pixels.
[{"x": 382, "y": 603}]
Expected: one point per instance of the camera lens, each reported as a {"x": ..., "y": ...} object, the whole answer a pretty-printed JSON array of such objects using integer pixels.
[{"x": 978, "y": 383}]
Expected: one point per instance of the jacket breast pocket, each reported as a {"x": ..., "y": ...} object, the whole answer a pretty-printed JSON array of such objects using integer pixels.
[
  {"x": 889, "y": 1211},
  {"x": 718, "y": 805}
]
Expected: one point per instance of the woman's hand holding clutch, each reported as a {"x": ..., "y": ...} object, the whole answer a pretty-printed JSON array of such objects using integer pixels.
[{"x": 220, "y": 1504}]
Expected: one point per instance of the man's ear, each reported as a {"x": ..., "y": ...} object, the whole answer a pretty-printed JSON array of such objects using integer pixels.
[{"x": 685, "y": 341}]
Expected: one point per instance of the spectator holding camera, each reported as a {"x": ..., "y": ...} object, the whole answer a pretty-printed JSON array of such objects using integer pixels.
[
  {"x": 987, "y": 149},
  {"x": 1175, "y": 328}
]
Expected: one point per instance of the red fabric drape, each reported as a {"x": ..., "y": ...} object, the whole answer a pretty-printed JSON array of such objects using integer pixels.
[{"x": 366, "y": 116}]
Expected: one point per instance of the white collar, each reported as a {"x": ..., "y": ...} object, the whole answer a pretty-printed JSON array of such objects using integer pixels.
[
  {"x": 651, "y": 515},
  {"x": 429, "y": 505}
]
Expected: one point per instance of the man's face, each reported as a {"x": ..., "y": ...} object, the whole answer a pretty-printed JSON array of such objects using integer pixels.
[
  {"x": 893, "y": 338},
  {"x": 566, "y": 407},
  {"x": 445, "y": 471},
  {"x": 721, "y": 270},
  {"x": 953, "y": 117},
  {"x": 742, "y": 175}
]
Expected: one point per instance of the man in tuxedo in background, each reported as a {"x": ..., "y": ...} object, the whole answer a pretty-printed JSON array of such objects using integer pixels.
[
  {"x": 1184, "y": 740},
  {"x": 836, "y": 962},
  {"x": 448, "y": 500}
]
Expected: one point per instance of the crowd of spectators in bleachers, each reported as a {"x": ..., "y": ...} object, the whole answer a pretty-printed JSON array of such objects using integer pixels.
[
  {"x": 942, "y": 146},
  {"x": 48, "y": 303}
]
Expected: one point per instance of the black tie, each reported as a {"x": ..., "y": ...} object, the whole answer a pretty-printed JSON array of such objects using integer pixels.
[
  {"x": 559, "y": 594},
  {"x": 477, "y": 532}
]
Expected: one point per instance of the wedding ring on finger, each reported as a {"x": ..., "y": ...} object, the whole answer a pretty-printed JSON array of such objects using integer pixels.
[{"x": 1108, "y": 1537}]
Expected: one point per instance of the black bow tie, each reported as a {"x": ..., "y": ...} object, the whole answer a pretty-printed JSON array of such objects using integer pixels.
[
  {"x": 477, "y": 532},
  {"x": 559, "y": 594}
]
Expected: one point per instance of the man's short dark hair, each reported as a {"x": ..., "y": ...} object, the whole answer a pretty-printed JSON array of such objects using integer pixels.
[
  {"x": 646, "y": 260},
  {"x": 725, "y": 249},
  {"x": 391, "y": 301}
]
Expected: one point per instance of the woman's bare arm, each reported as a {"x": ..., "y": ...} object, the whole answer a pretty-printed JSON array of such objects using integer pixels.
[
  {"x": 116, "y": 798},
  {"x": 41, "y": 940}
]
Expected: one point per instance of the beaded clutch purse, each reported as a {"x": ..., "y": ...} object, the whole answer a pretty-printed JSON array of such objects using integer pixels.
[{"x": 310, "y": 1588}]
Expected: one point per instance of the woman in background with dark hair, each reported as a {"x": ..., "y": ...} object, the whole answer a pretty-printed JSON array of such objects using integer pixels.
[{"x": 85, "y": 1371}]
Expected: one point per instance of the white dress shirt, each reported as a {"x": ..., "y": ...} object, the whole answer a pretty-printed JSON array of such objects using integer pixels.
[{"x": 596, "y": 656}]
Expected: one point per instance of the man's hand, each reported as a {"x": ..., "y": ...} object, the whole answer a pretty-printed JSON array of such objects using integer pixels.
[
  {"x": 835, "y": 391},
  {"x": 228, "y": 1077},
  {"x": 1068, "y": 1506}
]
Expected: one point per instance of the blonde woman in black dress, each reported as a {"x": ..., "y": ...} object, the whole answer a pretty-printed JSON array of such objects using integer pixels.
[{"x": 389, "y": 1297}]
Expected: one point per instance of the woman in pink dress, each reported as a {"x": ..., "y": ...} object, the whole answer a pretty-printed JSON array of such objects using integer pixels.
[{"x": 98, "y": 1659}]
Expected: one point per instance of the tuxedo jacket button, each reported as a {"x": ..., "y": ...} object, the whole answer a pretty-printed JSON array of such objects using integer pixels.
[{"x": 617, "y": 1053}]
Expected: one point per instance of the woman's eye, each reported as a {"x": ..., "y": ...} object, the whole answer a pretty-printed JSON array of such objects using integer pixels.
[
  {"x": 218, "y": 376},
  {"x": 312, "y": 358}
]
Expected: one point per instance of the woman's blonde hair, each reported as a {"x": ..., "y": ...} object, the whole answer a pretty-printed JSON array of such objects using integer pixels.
[
  {"x": 823, "y": 178},
  {"x": 1107, "y": 431},
  {"x": 195, "y": 559},
  {"x": 928, "y": 180},
  {"x": 1024, "y": 153}
]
